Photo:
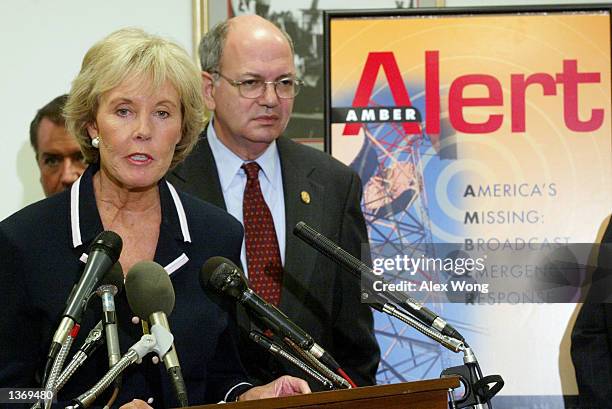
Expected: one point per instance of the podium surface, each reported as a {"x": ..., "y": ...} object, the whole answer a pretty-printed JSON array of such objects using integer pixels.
[{"x": 427, "y": 394}]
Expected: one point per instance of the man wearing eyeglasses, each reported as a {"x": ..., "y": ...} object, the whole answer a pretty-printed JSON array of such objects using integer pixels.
[{"x": 269, "y": 183}]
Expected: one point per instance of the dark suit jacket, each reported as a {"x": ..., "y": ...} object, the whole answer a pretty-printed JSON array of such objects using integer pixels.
[
  {"x": 40, "y": 250},
  {"x": 592, "y": 335},
  {"x": 316, "y": 294}
]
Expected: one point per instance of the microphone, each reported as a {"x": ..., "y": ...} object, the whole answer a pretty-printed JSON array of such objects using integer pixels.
[
  {"x": 224, "y": 276},
  {"x": 57, "y": 380},
  {"x": 275, "y": 349},
  {"x": 111, "y": 286},
  {"x": 158, "y": 341},
  {"x": 103, "y": 253},
  {"x": 111, "y": 283},
  {"x": 94, "y": 339},
  {"x": 359, "y": 269},
  {"x": 150, "y": 294},
  {"x": 92, "y": 343}
]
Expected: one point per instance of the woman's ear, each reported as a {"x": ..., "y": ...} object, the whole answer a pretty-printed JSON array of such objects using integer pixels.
[{"x": 92, "y": 129}]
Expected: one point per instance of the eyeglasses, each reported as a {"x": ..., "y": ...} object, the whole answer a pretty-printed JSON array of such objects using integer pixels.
[{"x": 285, "y": 88}]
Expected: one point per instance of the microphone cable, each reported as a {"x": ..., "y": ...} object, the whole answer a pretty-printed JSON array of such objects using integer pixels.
[
  {"x": 336, "y": 379},
  {"x": 345, "y": 376},
  {"x": 113, "y": 398},
  {"x": 275, "y": 349}
]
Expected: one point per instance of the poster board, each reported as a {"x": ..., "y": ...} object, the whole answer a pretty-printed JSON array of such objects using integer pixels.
[{"x": 486, "y": 125}]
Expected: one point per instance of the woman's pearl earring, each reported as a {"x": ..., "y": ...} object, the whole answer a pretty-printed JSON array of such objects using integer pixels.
[{"x": 95, "y": 142}]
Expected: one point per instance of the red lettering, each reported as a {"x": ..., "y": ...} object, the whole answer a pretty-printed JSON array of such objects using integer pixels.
[
  {"x": 366, "y": 86},
  {"x": 456, "y": 102},
  {"x": 570, "y": 78},
  {"x": 432, "y": 92},
  {"x": 518, "y": 86}
]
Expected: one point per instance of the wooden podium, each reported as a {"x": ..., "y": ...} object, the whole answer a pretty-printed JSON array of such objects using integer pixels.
[{"x": 429, "y": 394}]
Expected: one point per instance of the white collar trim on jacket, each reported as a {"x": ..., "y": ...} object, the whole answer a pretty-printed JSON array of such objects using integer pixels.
[
  {"x": 181, "y": 213},
  {"x": 179, "y": 262},
  {"x": 75, "y": 221}
]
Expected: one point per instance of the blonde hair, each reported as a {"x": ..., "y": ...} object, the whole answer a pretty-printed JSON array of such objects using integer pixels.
[{"x": 132, "y": 54}]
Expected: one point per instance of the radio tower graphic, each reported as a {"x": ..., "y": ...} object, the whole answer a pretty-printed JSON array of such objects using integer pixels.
[{"x": 393, "y": 166}]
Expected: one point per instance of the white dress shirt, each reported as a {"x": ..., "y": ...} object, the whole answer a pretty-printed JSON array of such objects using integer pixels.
[{"x": 233, "y": 181}]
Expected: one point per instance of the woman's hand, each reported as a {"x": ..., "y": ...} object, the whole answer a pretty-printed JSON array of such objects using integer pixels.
[
  {"x": 136, "y": 404},
  {"x": 283, "y": 386}
]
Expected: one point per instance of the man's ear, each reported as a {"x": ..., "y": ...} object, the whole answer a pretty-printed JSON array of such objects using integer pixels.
[{"x": 208, "y": 86}]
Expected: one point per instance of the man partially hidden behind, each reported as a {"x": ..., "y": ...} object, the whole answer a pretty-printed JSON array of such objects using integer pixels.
[
  {"x": 57, "y": 153},
  {"x": 592, "y": 334},
  {"x": 269, "y": 183}
]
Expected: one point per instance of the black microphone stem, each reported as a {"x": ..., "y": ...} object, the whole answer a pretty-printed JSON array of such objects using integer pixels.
[
  {"x": 361, "y": 270},
  {"x": 225, "y": 277},
  {"x": 103, "y": 253}
]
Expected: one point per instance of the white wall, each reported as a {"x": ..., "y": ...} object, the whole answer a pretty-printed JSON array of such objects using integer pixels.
[{"x": 44, "y": 43}]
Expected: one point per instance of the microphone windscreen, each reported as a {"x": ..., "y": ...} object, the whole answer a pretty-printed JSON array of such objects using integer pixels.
[
  {"x": 148, "y": 289},
  {"x": 209, "y": 267},
  {"x": 109, "y": 242},
  {"x": 224, "y": 276},
  {"x": 114, "y": 276}
]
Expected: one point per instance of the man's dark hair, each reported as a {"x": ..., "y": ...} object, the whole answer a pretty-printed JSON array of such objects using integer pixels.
[{"x": 52, "y": 111}]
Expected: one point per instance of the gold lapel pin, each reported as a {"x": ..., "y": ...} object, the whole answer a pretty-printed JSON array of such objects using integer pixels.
[{"x": 305, "y": 196}]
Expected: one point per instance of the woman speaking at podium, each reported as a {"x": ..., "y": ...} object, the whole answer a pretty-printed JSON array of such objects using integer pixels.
[{"x": 136, "y": 110}]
